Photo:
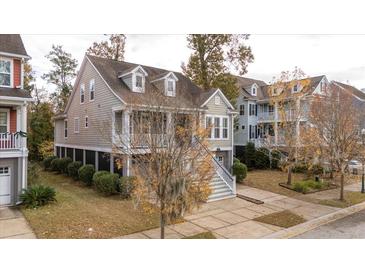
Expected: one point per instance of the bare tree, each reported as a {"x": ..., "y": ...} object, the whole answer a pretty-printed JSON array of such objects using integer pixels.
[
  {"x": 165, "y": 149},
  {"x": 287, "y": 93},
  {"x": 336, "y": 121}
]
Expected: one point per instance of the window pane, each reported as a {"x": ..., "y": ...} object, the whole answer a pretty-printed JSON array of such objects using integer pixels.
[
  {"x": 3, "y": 118},
  {"x": 5, "y": 66},
  {"x": 225, "y": 122},
  {"x": 138, "y": 81},
  {"x": 170, "y": 86},
  {"x": 3, "y": 129},
  {"x": 4, "y": 79}
]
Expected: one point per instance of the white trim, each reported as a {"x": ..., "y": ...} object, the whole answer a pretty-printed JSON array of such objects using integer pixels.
[
  {"x": 13, "y": 153},
  {"x": 214, "y": 148},
  {"x": 173, "y": 92},
  {"x": 222, "y": 95},
  {"x": 91, "y": 81},
  {"x": 22, "y": 73},
  {"x": 11, "y": 72},
  {"x": 78, "y": 128},
  {"x": 82, "y": 87},
  {"x": 134, "y": 71},
  {"x": 109, "y": 150},
  {"x": 64, "y": 128},
  {"x": 7, "y": 110},
  {"x": 221, "y": 117},
  {"x": 14, "y": 55},
  {"x": 9, "y": 99},
  {"x": 254, "y": 86},
  {"x": 166, "y": 77}
]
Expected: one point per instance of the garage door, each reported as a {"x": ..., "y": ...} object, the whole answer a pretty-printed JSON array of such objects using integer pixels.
[{"x": 4, "y": 185}]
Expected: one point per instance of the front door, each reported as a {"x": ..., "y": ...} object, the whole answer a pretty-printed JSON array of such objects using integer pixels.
[{"x": 5, "y": 198}]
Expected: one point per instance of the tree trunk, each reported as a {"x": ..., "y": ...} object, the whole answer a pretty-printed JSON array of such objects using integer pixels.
[
  {"x": 342, "y": 186},
  {"x": 289, "y": 175},
  {"x": 162, "y": 221}
]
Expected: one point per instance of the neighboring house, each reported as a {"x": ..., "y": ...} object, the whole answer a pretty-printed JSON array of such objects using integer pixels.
[
  {"x": 13, "y": 119},
  {"x": 106, "y": 93},
  {"x": 259, "y": 117}
]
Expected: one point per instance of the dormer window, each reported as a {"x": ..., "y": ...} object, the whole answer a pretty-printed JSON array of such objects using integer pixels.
[
  {"x": 295, "y": 88},
  {"x": 139, "y": 82},
  {"x": 5, "y": 73},
  {"x": 170, "y": 87},
  {"x": 254, "y": 90}
]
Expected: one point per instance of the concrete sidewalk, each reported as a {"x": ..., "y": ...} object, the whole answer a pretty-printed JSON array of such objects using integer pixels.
[
  {"x": 13, "y": 225},
  {"x": 234, "y": 218}
]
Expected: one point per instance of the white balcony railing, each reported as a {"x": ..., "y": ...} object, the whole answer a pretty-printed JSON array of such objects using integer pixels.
[
  {"x": 266, "y": 116},
  {"x": 10, "y": 141}
]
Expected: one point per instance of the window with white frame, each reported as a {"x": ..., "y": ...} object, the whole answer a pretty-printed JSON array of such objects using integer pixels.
[
  {"x": 218, "y": 127},
  {"x": 208, "y": 123},
  {"x": 92, "y": 89},
  {"x": 139, "y": 82},
  {"x": 171, "y": 87},
  {"x": 217, "y": 100},
  {"x": 254, "y": 90},
  {"x": 242, "y": 110},
  {"x": 224, "y": 127},
  {"x": 76, "y": 125},
  {"x": 4, "y": 121},
  {"x": 5, "y": 72},
  {"x": 295, "y": 88},
  {"x": 65, "y": 127},
  {"x": 86, "y": 121},
  {"x": 82, "y": 93}
]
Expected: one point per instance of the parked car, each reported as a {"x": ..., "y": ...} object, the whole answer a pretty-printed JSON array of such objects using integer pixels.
[{"x": 354, "y": 167}]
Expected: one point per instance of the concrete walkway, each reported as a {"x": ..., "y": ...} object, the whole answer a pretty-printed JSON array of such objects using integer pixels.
[
  {"x": 234, "y": 218},
  {"x": 13, "y": 225}
]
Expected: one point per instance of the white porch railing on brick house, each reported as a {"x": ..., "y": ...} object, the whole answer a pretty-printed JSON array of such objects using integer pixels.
[{"x": 10, "y": 141}]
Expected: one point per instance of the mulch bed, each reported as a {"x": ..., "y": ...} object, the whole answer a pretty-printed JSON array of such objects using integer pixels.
[{"x": 331, "y": 186}]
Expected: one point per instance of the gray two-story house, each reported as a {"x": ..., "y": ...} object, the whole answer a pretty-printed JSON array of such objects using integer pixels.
[{"x": 107, "y": 93}]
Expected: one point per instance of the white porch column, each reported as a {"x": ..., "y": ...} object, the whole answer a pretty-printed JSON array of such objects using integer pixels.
[
  {"x": 23, "y": 126},
  {"x": 276, "y": 118},
  {"x": 127, "y": 166},
  {"x": 126, "y": 127}
]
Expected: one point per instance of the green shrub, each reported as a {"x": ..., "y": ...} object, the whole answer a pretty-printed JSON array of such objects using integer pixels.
[
  {"x": 262, "y": 160},
  {"x": 235, "y": 160},
  {"x": 316, "y": 169},
  {"x": 73, "y": 169},
  {"x": 250, "y": 154},
  {"x": 63, "y": 164},
  {"x": 126, "y": 186},
  {"x": 47, "y": 162},
  {"x": 86, "y": 173},
  {"x": 98, "y": 174},
  {"x": 275, "y": 159},
  {"x": 38, "y": 195},
  {"x": 240, "y": 171},
  {"x": 300, "y": 187},
  {"x": 300, "y": 168},
  {"x": 107, "y": 184},
  {"x": 56, "y": 165}
]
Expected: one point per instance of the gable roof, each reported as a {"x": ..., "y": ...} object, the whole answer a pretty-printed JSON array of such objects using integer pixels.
[
  {"x": 12, "y": 44},
  {"x": 356, "y": 92},
  {"x": 208, "y": 96},
  {"x": 263, "y": 92},
  {"x": 187, "y": 93}
]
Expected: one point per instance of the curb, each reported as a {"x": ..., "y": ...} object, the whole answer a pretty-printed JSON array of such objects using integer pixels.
[{"x": 312, "y": 224}]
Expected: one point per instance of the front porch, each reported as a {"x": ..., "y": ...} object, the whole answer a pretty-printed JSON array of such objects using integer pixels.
[{"x": 13, "y": 127}]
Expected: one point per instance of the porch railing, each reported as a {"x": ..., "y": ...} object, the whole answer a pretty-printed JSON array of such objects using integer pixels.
[{"x": 10, "y": 141}]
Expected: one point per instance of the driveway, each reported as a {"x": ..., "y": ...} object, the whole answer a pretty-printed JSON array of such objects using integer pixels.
[
  {"x": 234, "y": 218},
  {"x": 13, "y": 225},
  {"x": 350, "y": 227}
]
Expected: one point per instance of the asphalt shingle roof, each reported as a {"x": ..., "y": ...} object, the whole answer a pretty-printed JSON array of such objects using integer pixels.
[{"x": 12, "y": 43}]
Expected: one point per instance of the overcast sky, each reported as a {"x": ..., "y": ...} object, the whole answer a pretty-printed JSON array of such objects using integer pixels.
[{"x": 339, "y": 57}]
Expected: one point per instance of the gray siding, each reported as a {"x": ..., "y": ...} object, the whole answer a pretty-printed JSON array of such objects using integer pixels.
[
  {"x": 221, "y": 109},
  {"x": 99, "y": 112}
]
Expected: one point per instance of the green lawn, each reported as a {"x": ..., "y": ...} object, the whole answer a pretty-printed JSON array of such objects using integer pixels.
[{"x": 80, "y": 212}]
